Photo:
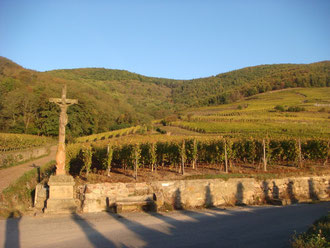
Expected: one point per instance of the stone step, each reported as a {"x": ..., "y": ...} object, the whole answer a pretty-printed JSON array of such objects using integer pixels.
[
  {"x": 136, "y": 198},
  {"x": 129, "y": 205}
]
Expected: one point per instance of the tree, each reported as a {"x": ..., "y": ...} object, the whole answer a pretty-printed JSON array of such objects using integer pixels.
[{"x": 20, "y": 109}]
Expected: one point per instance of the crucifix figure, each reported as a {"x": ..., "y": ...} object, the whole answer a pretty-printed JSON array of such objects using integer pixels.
[{"x": 64, "y": 103}]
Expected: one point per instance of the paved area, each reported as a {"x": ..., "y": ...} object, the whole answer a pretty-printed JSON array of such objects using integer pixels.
[
  {"x": 11, "y": 174},
  {"x": 266, "y": 226}
]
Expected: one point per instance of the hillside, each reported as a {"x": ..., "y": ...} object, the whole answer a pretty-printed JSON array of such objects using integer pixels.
[
  {"x": 298, "y": 112},
  {"x": 232, "y": 86},
  {"x": 112, "y": 99}
]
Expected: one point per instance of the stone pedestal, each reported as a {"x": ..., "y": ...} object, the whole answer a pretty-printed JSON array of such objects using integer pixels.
[{"x": 61, "y": 195}]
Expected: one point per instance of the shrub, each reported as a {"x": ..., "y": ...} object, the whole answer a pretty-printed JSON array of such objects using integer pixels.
[
  {"x": 279, "y": 108},
  {"x": 317, "y": 236},
  {"x": 296, "y": 109}
]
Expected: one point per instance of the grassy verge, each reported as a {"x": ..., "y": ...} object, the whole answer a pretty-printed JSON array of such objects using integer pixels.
[
  {"x": 317, "y": 236},
  {"x": 18, "y": 197},
  {"x": 234, "y": 175}
]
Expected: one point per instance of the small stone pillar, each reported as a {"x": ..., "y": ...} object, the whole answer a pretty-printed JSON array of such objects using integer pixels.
[{"x": 61, "y": 198}]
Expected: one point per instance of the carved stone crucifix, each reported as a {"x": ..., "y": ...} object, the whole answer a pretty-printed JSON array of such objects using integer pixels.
[{"x": 64, "y": 103}]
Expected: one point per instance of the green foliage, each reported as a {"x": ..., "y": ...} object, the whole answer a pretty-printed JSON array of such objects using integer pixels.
[
  {"x": 136, "y": 157},
  {"x": 176, "y": 150},
  {"x": 108, "y": 159},
  {"x": 153, "y": 155},
  {"x": 10, "y": 142},
  {"x": 279, "y": 108},
  {"x": 317, "y": 236},
  {"x": 87, "y": 154},
  {"x": 115, "y": 99},
  {"x": 296, "y": 109},
  {"x": 315, "y": 149},
  {"x": 260, "y": 119},
  {"x": 110, "y": 135},
  {"x": 232, "y": 86},
  {"x": 192, "y": 151}
]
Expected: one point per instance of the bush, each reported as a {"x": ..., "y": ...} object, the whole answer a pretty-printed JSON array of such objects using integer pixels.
[
  {"x": 317, "y": 236},
  {"x": 279, "y": 108},
  {"x": 296, "y": 109}
]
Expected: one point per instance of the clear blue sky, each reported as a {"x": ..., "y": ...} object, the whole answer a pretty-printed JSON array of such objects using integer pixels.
[{"x": 165, "y": 38}]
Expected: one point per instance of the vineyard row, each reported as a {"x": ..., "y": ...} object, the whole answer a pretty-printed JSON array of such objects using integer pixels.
[{"x": 193, "y": 151}]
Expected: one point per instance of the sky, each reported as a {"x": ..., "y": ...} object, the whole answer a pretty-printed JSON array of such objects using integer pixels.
[{"x": 176, "y": 39}]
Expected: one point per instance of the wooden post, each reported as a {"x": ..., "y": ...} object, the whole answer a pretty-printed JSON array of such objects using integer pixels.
[
  {"x": 183, "y": 156},
  {"x": 226, "y": 159},
  {"x": 135, "y": 169},
  {"x": 265, "y": 158},
  {"x": 108, "y": 150},
  {"x": 300, "y": 155},
  {"x": 326, "y": 160}
]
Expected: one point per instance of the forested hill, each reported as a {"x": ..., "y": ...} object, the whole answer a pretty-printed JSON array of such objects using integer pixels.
[
  {"x": 111, "y": 99},
  {"x": 234, "y": 85}
]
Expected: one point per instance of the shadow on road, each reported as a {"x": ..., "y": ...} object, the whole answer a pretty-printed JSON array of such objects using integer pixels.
[
  {"x": 12, "y": 231},
  {"x": 96, "y": 238}
]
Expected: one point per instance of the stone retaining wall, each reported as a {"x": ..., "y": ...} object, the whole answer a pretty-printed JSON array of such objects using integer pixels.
[
  {"x": 207, "y": 192},
  {"x": 14, "y": 157}
]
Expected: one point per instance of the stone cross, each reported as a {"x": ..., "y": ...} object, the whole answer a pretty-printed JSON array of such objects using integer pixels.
[{"x": 64, "y": 103}]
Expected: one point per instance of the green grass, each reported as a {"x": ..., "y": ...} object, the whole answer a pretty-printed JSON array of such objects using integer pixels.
[
  {"x": 317, "y": 236},
  {"x": 258, "y": 176},
  {"x": 256, "y": 116}
]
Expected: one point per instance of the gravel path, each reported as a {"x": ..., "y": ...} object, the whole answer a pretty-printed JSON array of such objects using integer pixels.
[{"x": 11, "y": 174}]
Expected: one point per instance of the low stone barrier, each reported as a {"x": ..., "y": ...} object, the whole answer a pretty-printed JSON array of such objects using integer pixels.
[
  {"x": 182, "y": 194},
  {"x": 14, "y": 157}
]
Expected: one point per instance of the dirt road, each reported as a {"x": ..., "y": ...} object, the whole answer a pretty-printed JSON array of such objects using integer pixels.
[
  {"x": 267, "y": 226},
  {"x": 11, "y": 174}
]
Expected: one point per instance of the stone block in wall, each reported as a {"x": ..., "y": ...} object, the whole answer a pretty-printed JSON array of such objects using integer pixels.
[
  {"x": 214, "y": 192},
  {"x": 40, "y": 197}
]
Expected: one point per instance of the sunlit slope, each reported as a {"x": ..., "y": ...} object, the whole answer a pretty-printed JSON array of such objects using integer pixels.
[
  {"x": 271, "y": 114},
  {"x": 113, "y": 99}
]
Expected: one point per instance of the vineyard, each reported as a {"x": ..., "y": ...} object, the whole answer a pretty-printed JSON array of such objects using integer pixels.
[
  {"x": 181, "y": 152},
  {"x": 283, "y": 128},
  {"x": 295, "y": 113},
  {"x": 9, "y": 141},
  {"x": 112, "y": 134}
]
